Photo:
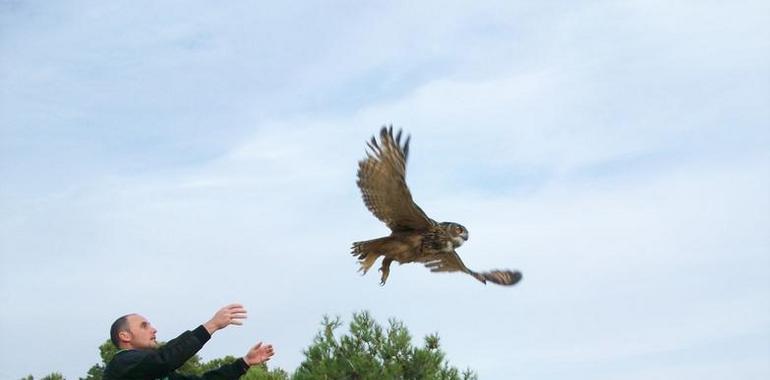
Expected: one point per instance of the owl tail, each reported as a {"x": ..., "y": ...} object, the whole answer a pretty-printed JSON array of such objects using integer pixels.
[{"x": 368, "y": 251}]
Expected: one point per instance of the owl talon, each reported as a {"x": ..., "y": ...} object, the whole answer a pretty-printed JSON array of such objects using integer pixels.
[
  {"x": 385, "y": 274},
  {"x": 385, "y": 269}
]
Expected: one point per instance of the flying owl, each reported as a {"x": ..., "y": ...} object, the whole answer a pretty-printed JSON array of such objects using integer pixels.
[{"x": 414, "y": 236}]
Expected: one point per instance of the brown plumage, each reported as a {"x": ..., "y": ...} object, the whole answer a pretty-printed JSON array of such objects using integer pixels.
[{"x": 414, "y": 236}]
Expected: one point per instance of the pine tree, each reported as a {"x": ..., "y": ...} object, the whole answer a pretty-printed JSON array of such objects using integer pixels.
[{"x": 371, "y": 352}]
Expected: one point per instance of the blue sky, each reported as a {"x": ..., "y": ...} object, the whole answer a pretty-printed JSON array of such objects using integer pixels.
[{"x": 168, "y": 158}]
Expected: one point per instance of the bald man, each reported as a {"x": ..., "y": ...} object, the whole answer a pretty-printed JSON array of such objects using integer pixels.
[{"x": 139, "y": 356}]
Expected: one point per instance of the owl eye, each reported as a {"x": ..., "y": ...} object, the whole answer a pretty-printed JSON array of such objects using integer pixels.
[{"x": 458, "y": 229}]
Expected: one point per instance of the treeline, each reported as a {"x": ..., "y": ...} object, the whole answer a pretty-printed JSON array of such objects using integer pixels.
[{"x": 367, "y": 351}]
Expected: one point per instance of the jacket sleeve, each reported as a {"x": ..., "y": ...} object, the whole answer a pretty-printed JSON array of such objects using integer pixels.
[
  {"x": 163, "y": 361},
  {"x": 230, "y": 371}
]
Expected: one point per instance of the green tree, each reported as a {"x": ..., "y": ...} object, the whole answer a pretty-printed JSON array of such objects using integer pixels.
[
  {"x": 96, "y": 372},
  {"x": 106, "y": 351},
  {"x": 370, "y": 352},
  {"x": 260, "y": 372},
  {"x": 53, "y": 376}
]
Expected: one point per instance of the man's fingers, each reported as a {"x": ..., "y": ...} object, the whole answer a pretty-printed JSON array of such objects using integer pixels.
[
  {"x": 235, "y": 318},
  {"x": 235, "y": 308},
  {"x": 259, "y": 353},
  {"x": 233, "y": 313}
]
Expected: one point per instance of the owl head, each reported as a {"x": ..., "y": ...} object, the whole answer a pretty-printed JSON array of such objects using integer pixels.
[{"x": 458, "y": 233}]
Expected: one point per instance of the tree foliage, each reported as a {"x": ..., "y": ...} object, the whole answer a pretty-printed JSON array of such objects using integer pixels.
[
  {"x": 53, "y": 376},
  {"x": 371, "y": 352},
  {"x": 50, "y": 376}
]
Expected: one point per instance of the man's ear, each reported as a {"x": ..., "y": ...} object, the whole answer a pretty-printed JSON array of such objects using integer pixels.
[{"x": 124, "y": 336}]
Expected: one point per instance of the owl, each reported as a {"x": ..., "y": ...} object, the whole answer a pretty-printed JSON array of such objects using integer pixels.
[{"x": 414, "y": 237}]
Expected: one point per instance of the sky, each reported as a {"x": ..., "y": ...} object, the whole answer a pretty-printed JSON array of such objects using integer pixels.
[{"x": 169, "y": 158}]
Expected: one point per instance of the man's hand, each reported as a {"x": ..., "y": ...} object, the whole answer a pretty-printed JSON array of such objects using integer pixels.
[
  {"x": 226, "y": 316},
  {"x": 258, "y": 354}
]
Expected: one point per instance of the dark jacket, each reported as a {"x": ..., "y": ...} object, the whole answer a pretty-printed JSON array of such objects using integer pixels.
[{"x": 163, "y": 362}]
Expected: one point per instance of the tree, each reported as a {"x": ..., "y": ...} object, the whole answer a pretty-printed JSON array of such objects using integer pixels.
[
  {"x": 53, "y": 376},
  {"x": 96, "y": 372},
  {"x": 106, "y": 351},
  {"x": 369, "y": 352},
  {"x": 260, "y": 372}
]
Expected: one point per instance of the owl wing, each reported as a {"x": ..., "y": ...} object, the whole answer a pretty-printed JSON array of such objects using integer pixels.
[
  {"x": 451, "y": 262},
  {"x": 382, "y": 180}
]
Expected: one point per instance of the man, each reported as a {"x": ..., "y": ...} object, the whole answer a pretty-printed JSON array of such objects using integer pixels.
[{"x": 140, "y": 358}]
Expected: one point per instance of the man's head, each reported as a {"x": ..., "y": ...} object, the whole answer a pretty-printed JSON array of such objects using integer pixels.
[{"x": 133, "y": 331}]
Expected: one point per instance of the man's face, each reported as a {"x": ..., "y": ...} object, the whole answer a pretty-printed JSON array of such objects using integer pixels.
[{"x": 141, "y": 333}]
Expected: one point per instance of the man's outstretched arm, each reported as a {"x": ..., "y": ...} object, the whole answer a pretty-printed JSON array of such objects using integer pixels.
[{"x": 257, "y": 355}]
